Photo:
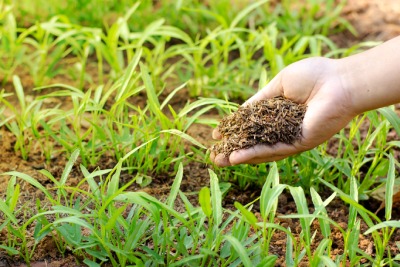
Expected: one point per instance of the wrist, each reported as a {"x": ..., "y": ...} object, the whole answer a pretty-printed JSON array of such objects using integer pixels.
[
  {"x": 372, "y": 78},
  {"x": 348, "y": 72}
]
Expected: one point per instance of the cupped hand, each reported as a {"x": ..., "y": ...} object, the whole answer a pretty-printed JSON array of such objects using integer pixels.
[{"x": 318, "y": 83}]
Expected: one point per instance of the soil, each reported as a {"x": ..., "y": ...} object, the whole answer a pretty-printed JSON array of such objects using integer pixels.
[
  {"x": 375, "y": 20},
  {"x": 264, "y": 122}
]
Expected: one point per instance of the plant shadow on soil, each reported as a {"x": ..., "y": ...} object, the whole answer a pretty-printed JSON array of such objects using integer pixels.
[{"x": 196, "y": 174}]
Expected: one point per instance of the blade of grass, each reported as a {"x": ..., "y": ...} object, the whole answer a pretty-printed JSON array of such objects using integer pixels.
[
  {"x": 205, "y": 201},
  {"x": 392, "y": 117},
  {"x": 216, "y": 197},
  {"x": 68, "y": 166},
  {"x": 302, "y": 208},
  {"x": 175, "y": 186},
  {"x": 238, "y": 247},
  {"x": 389, "y": 188},
  {"x": 394, "y": 224},
  {"x": 184, "y": 136}
]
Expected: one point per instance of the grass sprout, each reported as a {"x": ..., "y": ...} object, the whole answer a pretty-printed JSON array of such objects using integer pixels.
[{"x": 125, "y": 82}]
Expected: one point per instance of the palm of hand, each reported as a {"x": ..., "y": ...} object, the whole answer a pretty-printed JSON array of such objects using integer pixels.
[{"x": 311, "y": 81}]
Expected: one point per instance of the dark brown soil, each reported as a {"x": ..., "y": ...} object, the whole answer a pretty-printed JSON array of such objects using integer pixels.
[
  {"x": 375, "y": 20},
  {"x": 263, "y": 122}
]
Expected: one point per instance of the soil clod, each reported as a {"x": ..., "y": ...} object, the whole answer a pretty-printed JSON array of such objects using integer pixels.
[{"x": 263, "y": 122}]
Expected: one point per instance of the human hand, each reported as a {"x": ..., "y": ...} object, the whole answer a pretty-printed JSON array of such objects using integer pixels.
[{"x": 317, "y": 82}]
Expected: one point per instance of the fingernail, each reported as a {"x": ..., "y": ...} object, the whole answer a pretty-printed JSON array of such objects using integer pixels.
[
  {"x": 216, "y": 134},
  {"x": 222, "y": 161}
]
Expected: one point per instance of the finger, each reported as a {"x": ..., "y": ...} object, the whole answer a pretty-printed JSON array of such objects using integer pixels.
[
  {"x": 221, "y": 161},
  {"x": 216, "y": 134},
  {"x": 272, "y": 89},
  {"x": 212, "y": 156},
  {"x": 265, "y": 153}
]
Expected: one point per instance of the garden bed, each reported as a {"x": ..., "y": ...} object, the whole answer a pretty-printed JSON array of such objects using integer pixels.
[{"x": 196, "y": 176}]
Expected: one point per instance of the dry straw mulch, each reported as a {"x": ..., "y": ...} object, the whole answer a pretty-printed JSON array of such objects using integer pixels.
[{"x": 264, "y": 122}]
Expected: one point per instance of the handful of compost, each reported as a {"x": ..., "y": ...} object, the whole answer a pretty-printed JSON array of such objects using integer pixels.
[{"x": 263, "y": 122}]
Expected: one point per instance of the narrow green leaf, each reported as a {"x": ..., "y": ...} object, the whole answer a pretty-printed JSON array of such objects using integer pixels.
[
  {"x": 389, "y": 188},
  {"x": 394, "y": 224},
  {"x": 247, "y": 215},
  {"x": 392, "y": 117},
  {"x": 113, "y": 185},
  {"x": 205, "y": 201},
  {"x": 353, "y": 240},
  {"x": 321, "y": 250},
  {"x": 137, "y": 148},
  {"x": 115, "y": 215},
  {"x": 20, "y": 93},
  {"x": 216, "y": 197},
  {"x": 328, "y": 261},
  {"x": 128, "y": 73},
  {"x": 68, "y": 166},
  {"x": 354, "y": 196},
  {"x": 32, "y": 181},
  {"x": 10, "y": 250},
  {"x": 151, "y": 92},
  {"x": 175, "y": 186},
  {"x": 238, "y": 247},
  {"x": 268, "y": 198},
  {"x": 186, "y": 260},
  {"x": 302, "y": 208},
  {"x": 289, "y": 251},
  {"x": 91, "y": 263},
  {"x": 184, "y": 136},
  {"x": 171, "y": 95},
  {"x": 268, "y": 261},
  {"x": 7, "y": 212},
  {"x": 320, "y": 209},
  {"x": 245, "y": 12},
  {"x": 74, "y": 220}
]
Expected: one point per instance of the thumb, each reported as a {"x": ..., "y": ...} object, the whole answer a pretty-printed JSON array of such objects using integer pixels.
[{"x": 272, "y": 89}]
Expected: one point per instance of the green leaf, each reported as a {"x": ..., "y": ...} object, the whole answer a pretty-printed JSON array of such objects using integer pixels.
[
  {"x": 7, "y": 212},
  {"x": 115, "y": 215},
  {"x": 270, "y": 192},
  {"x": 91, "y": 263},
  {"x": 354, "y": 196},
  {"x": 113, "y": 185},
  {"x": 394, "y": 224},
  {"x": 392, "y": 117},
  {"x": 151, "y": 92},
  {"x": 245, "y": 12},
  {"x": 184, "y": 136},
  {"x": 323, "y": 246},
  {"x": 20, "y": 93},
  {"x": 128, "y": 73},
  {"x": 32, "y": 181},
  {"x": 175, "y": 186},
  {"x": 268, "y": 261},
  {"x": 10, "y": 250},
  {"x": 68, "y": 167},
  {"x": 353, "y": 240},
  {"x": 320, "y": 209},
  {"x": 328, "y": 261},
  {"x": 389, "y": 188},
  {"x": 75, "y": 220},
  {"x": 216, "y": 197},
  {"x": 186, "y": 260},
  {"x": 247, "y": 215},
  {"x": 289, "y": 251},
  {"x": 241, "y": 251},
  {"x": 302, "y": 208},
  {"x": 205, "y": 201}
]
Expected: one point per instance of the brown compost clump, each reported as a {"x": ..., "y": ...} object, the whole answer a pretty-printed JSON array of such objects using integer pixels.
[{"x": 263, "y": 122}]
